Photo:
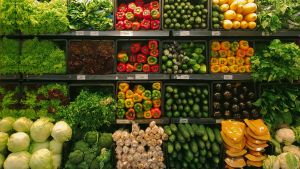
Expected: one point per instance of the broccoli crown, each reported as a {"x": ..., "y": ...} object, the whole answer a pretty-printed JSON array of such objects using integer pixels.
[
  {"x": 105, "y": 141},
  {"x": 81, "y": 145},
  {"x": 104, "y": 158},
  {"x": 83, "y": 165},
  {"x": 76, "y": 156},
  {"x": 91, "y": 137}
]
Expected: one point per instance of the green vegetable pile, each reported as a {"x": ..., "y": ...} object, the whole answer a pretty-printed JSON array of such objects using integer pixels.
[
  {"x": 90, "y": 111},
  {"x": 8, "y": 97},
  {"x": 278, "y": 61},
  {"x": 90, "y": 14},
  {"x": 183, "y": 101},
  {"x": 42, "y": 57},
  {"x": 280, "y": 105},
  {"x": 184, "y": 57},
  {"x": 91, "y": 152},
  {"x": 31, "y": 17},
  {"x": 9, "y": 56},
  {"x": 275, "y": 15},
  {"x": 193, "y": 146}
]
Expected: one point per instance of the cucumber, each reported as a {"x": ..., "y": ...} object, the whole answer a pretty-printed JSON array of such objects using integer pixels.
[
  {"x": 190, "y": 130},
  {"x": 184, "y": 132},
  {"x": 201, "y": 144},
  {"x": 201, "y": 129},
  {"x": 196, "y": 130},
  {"x": 194, "y": 146},
  {"x": 218, "y": 135},
  {"x": 186, "y": 146},
  {"x": 210, "y": 134},
  {"x": 180, "y": 137},
  {"x": 209, "y": 154},
  {"x": 216, "y": 160},
  {"x": 167, "y": 130},
  {"x": 208, "y": 145},
  {"x": 173, "y": 128},
  {"x": 172, "y": 138},
  {"x": 174, "y": 155},
  {"x": 170, "y": 148},
  {"x": 203, "y": 153},
  {"x": 205, "y": 135},
  {"x": 215, "y": 148},
  {"x": 177, "y": 146}
]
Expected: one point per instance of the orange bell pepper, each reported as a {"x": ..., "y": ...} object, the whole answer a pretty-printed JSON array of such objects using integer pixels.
[
  {"x": 147, "y": 114},
  {"x": 129, "y": 94},
  {"x": 239, "y": 61},
  {"x": 242, "y": 69},
  {"x": 224, "y": 69},
  {"x": 244, "y": 44},
  {"x": 230, "y": 53},
  {"x": 138, "y": 89},
  {"x": 223, "y": 53},
  {"x": 215, "y": 68},
  {"x": 234, "y": 68},
  {"x": 223, "y": 61},
  {"x": 215, "y": 45},
  {"x": 137, "y": 98},
  {"x": 248, "y": 68},
  {"x": 156, "y": 103},
  {"x": 214, "y": 61},
  {"x": 240, "y": 53},
  {"x": 225, "y": 45},
  {"x": 123, "y": 87},
  {"x": 231, "y": 60},
  {"x": 250, "y": 52},
  {"x": 247, "y": 60}
]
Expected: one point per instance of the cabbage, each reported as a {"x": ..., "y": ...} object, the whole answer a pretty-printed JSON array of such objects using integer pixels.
[
  {"x": 41, "y": 159},
  {"x": 22, "y": 124},
  {"x": 18, "y": 160},
  {"x": 61, "y": 132},
  {"x": 2, "y": 158},
  {"x": 56, "y": 161},
  {"x": 41, "y": 130},
  {"x": 3, "y": 141},
  {"x": 37, "y": 146},
  {"x": 56, "y": 147},
  {"x": 6, "y": 124},
  {"x": 19, "y": 141}
]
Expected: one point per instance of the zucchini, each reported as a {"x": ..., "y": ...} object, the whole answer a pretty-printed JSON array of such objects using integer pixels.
[
  {"x": 208, "y": 145},
  {"x": 184, "y": 132},
  {"x": 173, "y": 128},
  {"x": 168, "y": 130},
  {"x": 201, "y": 129},
  {"x": 201, "y": 144},
  {"x": 180, "y": 137},
  {"x": 170, "y": 148},
  {"x": 177, "y": 146},
  {"x": 215, "y": 148},
  {"x": 218, "y": 135},
  {"x": 210, "y": 134},
  {"x": 190, "y": 130},
  {"x": 194, "y": 146},
  {"x": 196, "y": 130}
]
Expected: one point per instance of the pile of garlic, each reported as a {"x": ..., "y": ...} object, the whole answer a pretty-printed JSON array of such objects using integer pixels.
[{"x": 141, "y": 148}]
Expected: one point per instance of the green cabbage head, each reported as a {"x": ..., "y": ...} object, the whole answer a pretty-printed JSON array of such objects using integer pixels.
[
  {"x": 6, "y": 124},
  {"x": 19, "y": 141},
  {"x": 41, "y": 159},
  {"x": 41, "y": 130},
  {"x": 22, "y": 124},
  {"x": 19, "y": 160},
  {"x": 37, "y": 146},
  {"x": 61, "y": 132},
  {"x": 3, "y": 141}
]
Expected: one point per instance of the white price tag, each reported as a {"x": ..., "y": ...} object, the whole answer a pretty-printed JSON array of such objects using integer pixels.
[
  {"x": 123, "y": 121},
  {"x": 215, "y": 33},
  {"x": 81, "y": 77},
  {"x": 183, "y": 120},
  {"x": 130, "y": 78},
  {"x": 141, "y": 76},
  {"x": 265, "y": 34},
  {"x": 126, "y": 33},
  {"x": 184, "y": 33},
  {"x": 228, "y": 77},
  {"x": 79, "y": 33},
  {"x": 218, "y": 121},
  {"x": 182, "y": 76},
  {"x": 94, "y": 33}
]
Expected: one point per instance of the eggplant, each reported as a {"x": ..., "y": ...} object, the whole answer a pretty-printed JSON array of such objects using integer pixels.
[
  {"x": 217, "y": 96},
  {"x": 251, "y": 95},
  {"x": 235, "y": 108},
  {"x": 242, "y": 97},
  {"x": 235, "y": 100},
  {"x": 242, "y": 106},
  {"x": 246, "y": 114},
  {"x": 228, "y": 86},
  {"x": 218, "y": 87},
  {"x": 226, "y": 105},
  {"x": 245, "y": 89},
  {"x": 255, "y": 113},
  {"x": 227, "y": 95},
  {"x": 227, "y": 114},
  {"x": 249, "y": 104},
  {"x": 237, "y": 116},
  {"x": 217, "y": 114},
  {"x": 235, "y": 91},
  {"x": 217, "y": 106}
]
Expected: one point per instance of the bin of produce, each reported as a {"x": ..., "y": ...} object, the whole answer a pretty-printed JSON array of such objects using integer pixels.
[
  {"x": 9, "y": 56},
  {"x": 9, "y": 97}
]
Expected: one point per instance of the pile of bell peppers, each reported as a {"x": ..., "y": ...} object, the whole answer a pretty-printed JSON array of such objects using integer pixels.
[
  {"x": 231, "y": 57},
  {"x": 138, "y": 15},
  {"x": 139, "y": 101},
  {"x": 142, "y": 57}
]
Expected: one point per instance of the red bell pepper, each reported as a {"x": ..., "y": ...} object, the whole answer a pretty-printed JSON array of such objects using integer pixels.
[
  {"x": 146, "y": 6},
  {"x": 129, "y": 68},
  {"x": 146, "y": 14},
  {"x": 136, "y": 26},
  {"x": 155, "y": 24},
  {"x": 155, "y": 68},
  {"x": 156, "y": 113},
  {"x": 154, "y": 5},
  {"x": 121, "y": 67},
  {"x": 132, "y": 58},
  {"x": 128, "y": 24},
  {"x": 145, "y": 50},
  {"x": 131, "y": 7},
  {"x": 135, "y": 47},
  {"x": 122, "y": 8},
  {"x": 138, "y": 12},
  {"x": 120, "y": 25},
  {"x": 129, "y": 16},
  {"x": 139, "y": 3},
  {"x": 153, "y": 44},
  {"x": 138, "y": 67},
  {"x": 130, "y": 114},
  {"x": 155, "y": 14},
  {"x": 154, "y": 53},
  {"x": 120, "y": 16},
  {"x": 145, "y": 24},
  {"x": 141, "y": 58},
  {"x": 146, "y": 68}
]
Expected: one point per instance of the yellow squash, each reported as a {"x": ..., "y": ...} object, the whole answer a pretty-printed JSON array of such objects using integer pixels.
[
  {"x": 249, "y": 8},
  {"x": 254, "y": 158},
  {"x": 235, "y": 162}
]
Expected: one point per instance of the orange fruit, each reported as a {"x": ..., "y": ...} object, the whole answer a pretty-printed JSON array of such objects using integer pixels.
[
  {"x": 227, "y": 24},
  {"x": 244, "y": 25},
  {"x": 239, "y": 17},
  {"x": 236, "y": 24},
  {"x": 251, "y": 25},
  {"x": 230, "y": 14}
]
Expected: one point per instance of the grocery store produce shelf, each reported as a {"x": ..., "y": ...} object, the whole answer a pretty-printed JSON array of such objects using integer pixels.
[
  {"x": 244, "y": 76},
  {"x": 194, "y": 120},
  {"x": 10, "y": 77},
  {"x": 163, "y": 120}
]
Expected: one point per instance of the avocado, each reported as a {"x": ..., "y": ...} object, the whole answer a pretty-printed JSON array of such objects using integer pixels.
[
  {"x": 235, "y": 108},
  {"x": 226, "y": 105},
  {"x": 242, "y": 97},
  {"x": 235, "y": 100},
  {"x": 245, "y": 89},
  {"x": 242, "y": 106},
  {"x": 218, "y": 87},
  {"x": 217, "y": 106},
  {"x": 217, "y": 96},
  {"x": 228, "y": 86},
  {"x": 251, "y": 95},
  {"x": 249, "y": 104},
  {"x": 227, "y": 95}
]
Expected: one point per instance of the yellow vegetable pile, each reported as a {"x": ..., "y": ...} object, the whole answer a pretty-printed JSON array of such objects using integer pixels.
[
  {"x": 237, "y": 13},
  {"x": 245, "y": 144}
]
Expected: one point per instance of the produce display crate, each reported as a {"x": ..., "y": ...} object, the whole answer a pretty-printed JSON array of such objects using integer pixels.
[
  {"x": 11, "y": 86},
  {"x": 206, "y": 53},
  {"x": 118, "y": 2},
  {"x": 251, "y": 87},
  {"x": 124, "y": 45},
  {"x": 75, "y": 88},
  {"x": 182, "y": 85},
  {"x": 195, "y": 2}
]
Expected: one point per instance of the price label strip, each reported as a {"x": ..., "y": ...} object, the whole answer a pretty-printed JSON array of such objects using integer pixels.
[
  {"x": 228, "y": 77},
  {"x": 94, "y": 33},
  {"x": 183, "y": 120},
  {"x": 218, "y": 121},
  {"x": 141, "y": 77},
  {"x": 123, "y": 121},
  {"x": 186, "y": 77},
  {"x": 79, "y": 33},
  {"x": 216, "y": 33},
  {"x": 126, "y": 33},
  {"x": 184, "y": 33},
  {"x": 81, "y": 77}
]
